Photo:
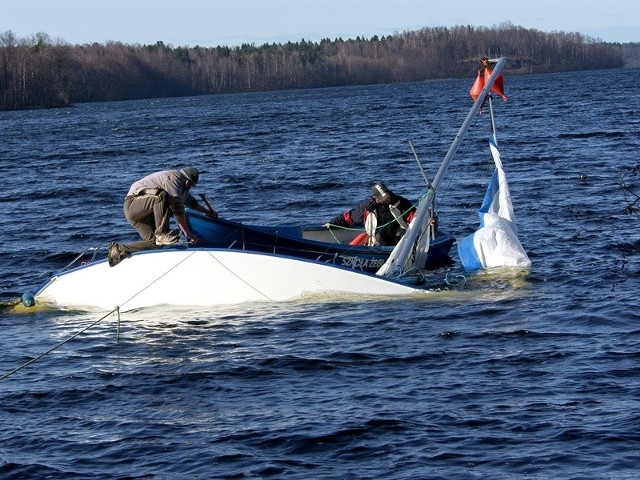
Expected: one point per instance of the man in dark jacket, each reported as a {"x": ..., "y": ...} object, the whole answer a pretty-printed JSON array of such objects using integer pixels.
[
  {"x": 148, "y": 207},
  {"x": 385, "y": 213}
]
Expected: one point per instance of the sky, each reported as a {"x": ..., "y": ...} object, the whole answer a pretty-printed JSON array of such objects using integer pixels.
[{"x": 210, "y": 23}]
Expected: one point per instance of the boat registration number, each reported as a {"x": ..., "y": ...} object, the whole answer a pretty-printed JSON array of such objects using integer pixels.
[{"x": 359, "y": 262}]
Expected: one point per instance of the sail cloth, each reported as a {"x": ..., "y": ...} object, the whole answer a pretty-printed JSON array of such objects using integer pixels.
[{"x": 495, "y": 243}]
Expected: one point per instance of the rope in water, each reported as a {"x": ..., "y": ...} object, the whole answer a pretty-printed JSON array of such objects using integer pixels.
[
  {"x": 44, "y": 354},
  {"x": 116, "y": 309}
]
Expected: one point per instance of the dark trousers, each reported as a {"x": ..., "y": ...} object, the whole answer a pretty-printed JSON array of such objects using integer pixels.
[{"x": 149, "y": 214}]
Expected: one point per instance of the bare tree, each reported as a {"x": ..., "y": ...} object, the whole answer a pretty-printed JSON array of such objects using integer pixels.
[{"x": 36, "y": 72}]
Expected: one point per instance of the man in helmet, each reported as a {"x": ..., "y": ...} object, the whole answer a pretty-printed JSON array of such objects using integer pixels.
[
  {"x": 149, "y": 205},
  {"x": 385, "y": 214}
]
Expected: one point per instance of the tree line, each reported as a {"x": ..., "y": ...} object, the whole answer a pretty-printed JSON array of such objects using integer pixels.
[{"x": 36, "y": 72}]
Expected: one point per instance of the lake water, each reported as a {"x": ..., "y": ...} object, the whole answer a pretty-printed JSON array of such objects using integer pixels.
[{"x": 494, "y": 376}]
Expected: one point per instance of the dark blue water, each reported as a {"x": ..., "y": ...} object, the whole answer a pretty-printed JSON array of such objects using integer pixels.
[{"x": 496, "y": 376}]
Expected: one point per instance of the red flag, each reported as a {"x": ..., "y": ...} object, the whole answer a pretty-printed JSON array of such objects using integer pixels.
[
  {"x": 481, "y": 79},
  {"x": 498, "y": 84},
  {"x": 477, "y": 86}
]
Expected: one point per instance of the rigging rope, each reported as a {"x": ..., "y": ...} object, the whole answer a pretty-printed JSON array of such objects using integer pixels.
[
  {"x": 238, "y": 277},
  {"x": 156, "y": 280}
]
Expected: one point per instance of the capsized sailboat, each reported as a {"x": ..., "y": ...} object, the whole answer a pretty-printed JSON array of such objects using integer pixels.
[{"x": 207, "y": 277}]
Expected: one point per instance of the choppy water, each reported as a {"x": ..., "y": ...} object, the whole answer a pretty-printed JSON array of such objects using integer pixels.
[{"x": 499, "y": 376}]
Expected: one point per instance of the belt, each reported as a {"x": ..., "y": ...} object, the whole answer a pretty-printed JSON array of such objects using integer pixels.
[
  {"x": 149, "y": 191},
  {"x": 145, "y": 191}
]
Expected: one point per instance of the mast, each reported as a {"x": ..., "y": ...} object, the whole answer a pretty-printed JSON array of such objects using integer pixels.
[{"x": 402, "y": 254}]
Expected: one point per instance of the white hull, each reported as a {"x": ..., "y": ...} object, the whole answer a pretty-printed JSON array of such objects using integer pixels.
[{"x": 206, "y": 277}]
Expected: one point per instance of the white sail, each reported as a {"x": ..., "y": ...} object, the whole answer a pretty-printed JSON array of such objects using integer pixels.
[{"x": 495, "y": 243}]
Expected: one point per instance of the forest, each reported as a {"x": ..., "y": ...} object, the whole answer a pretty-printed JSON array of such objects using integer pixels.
[{"x": 37, "y": 72}]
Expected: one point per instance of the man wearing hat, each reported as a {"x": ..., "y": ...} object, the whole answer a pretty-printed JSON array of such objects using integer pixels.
[
  {"x": 148, "y": 207},
  {"x": 385, "y": 215}
]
